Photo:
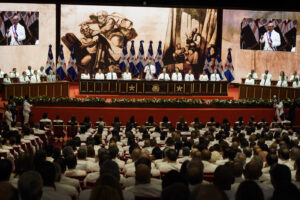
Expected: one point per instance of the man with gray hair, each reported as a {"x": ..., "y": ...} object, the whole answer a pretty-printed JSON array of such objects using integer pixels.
[
  {"x": 271, "y": 38},
  {"x": 241, "y": 158},
  {"x": 30, "y": 186},
  {"x": 16, "y": 32}
]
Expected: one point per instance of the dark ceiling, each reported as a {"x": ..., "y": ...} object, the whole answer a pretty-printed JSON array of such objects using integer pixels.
[{"x": 287, "y": 5}]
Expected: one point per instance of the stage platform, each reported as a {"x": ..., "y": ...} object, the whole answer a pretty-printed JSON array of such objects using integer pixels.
[{"x": 233, "y": 93}]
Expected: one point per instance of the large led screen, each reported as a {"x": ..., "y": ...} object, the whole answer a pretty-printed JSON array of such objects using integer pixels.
[
  {"x": 36, "y": 25},
  {"x": 97, "y": 34},
  {"x": 246, "y": 54}
]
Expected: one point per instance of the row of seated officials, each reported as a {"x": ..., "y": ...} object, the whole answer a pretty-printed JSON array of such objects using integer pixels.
[
  {"x": 27, "y": 76},
  {"x": 251, "y": 160},
  {"x": 266, "y": 78}
]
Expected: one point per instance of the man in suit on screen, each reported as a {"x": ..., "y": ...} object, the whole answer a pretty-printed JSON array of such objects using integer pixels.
[{"x": 16, "y": 32}]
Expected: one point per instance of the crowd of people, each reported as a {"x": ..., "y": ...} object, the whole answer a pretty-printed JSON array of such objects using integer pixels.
[
  {"x": 266, "y": 78},
  {"x": 166, "y": 160}
]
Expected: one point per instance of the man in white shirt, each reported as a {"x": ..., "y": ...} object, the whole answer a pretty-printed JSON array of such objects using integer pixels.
[
  {"x": 269, "y": 76},
  {"x": 253, "y": 74},
  {"x": 41, "y": 71},
  {"x": 296, "y": 83},
  {"x": 1, "y": 73},
  {"x": 271, "y": 39},
  {"x": 126, "y": 75},
  {"x": 26, "y": 109},
  {"x": 24, "y": 78},
  {"x": 29, "y": 71},
  {"x": 150, "y": 71},
  {"x": 16, "y": 32},
  {"x": 282, "y": 83},
  {"x": 171, "y": 162},
  {"x": 206, "y": 156},
  {"x": 35, "y": 78},
  {"x": 6, "y": 79},
  {"x": 215, "y": 76},
  {"x": 294, "y": 76},
  {"x": 14, "y": 73},
  {"x": 176, "y": 76},
  {"x": 253, "y": 172},
  {"x": 143, "y": 186},
  {"x": 189, "y": 76},
  {"x": 71, "y": 162},
  {"x": 111, "y": 75},
  {"x": 8, "y": 116},
  {"x": 164, "y": 76},
  {"x": 249, "y": 80},
  {"x": 279, "y": 112},
  {"x": 85, "y": 75},
  {"x": 282, "y": 80},
  {"x": 265, "y": 81},
  {"x": 48, "y": 172},
  {"x": 51, "y": 77},
  {"x": 203, "y": 76},
  {"x": 99, "y": 75}
]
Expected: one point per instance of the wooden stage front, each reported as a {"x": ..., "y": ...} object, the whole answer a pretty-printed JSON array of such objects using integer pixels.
[
  {"x": 155, "y": 87},
  {"x": 51, "y": 89}
]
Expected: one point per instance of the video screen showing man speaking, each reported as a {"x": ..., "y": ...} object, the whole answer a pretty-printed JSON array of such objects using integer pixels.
[
  {"x": 268, "y": 35},
  {"x": 19, "y": 28}
]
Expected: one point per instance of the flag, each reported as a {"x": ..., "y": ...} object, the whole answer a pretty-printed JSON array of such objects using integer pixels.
[
  {"x": 132, "y": 59},
  {"x": 149, "y": 57},
  {"x": 61, "y": 64},
  {"x": 72, "y": 67},
  {"x": 158, "y": 59},
  {"x": 207, "y": 65},
  {"x": 218, "y": 65},
  {"x": 124, "y": 58},
  {"x": 50, "y": 62},
  {"x": 229, "y": 70},
  {"x": 140, "y": 58}
]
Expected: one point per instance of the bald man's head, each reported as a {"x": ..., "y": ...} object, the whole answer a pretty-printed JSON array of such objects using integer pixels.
[
  {"x": 263, "y": 155},
  {"x": 142, "y": 174}
]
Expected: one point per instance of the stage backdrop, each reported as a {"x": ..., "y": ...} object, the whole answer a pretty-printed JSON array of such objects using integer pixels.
[
  {"x": 34, "y": 55},
  {"x": 244, "y": 60},
  {"x": 98, "y": 32}
]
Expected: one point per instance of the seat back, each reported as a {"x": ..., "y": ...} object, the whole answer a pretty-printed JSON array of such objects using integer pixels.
[
  {"x": 3, "y": 155},
  {"x": 58, "y": 130},
  {"x": 72, "y": 130},
  {"x": 208, "y": 176}
]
